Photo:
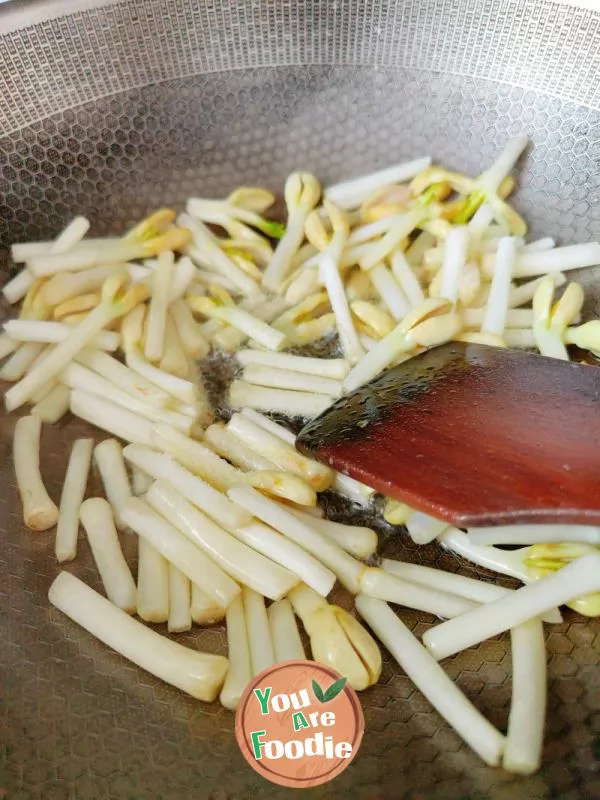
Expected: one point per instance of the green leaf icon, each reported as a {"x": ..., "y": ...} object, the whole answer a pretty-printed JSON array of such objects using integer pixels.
[
  {"x": 335, "y": 688},
  {"x": 318, "y": 692},
  {"x": 330, "y": 693}
]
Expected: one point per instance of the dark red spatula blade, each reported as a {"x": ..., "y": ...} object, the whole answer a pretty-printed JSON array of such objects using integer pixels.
[{"x": 474, "y": 435}]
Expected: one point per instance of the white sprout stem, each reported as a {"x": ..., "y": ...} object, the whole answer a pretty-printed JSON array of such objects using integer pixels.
[
  {"x": 332, "y": 368},
  {"x": 124, "y": 378},
  {"x": 108, "y": 456},
  {"x": 523, "y": 750},
  {"x": 177, "y": 387},
  {"x": 73, "y": 492},
  {"x": 7, "y": 345},
  {"x": 347, "y": 569},
  {"x": 97, "y": 520},
  {"x": 535, "y": 534},
  {"x": 481, "y": 297},
  {"x": 228, "y": 445},
  {"x": 561, "y": 259},
  {"x": 76, "y": 376},
  {"x": 332, "y": 280},
  {"x": 404, "y": 274},
  {"x": 501, "y": 168},
  {"x": 385, "y": 352},
  {"x": 491, "y": 245},
  {"x": 473, "y": 589},
  {"x": 287, "y": 553},
  {"x": 200, "y": 675},
  {"x": 204, "y": 610},
  {"x": 200, "y": 410},
  {"x": 65, "y": 351},
  {"x": 432, "y": 681},
  {"x": 496, "y": 231},
  {"x": 390, "y": 291},
  {"x": 211, "y": 255},
  {"x": 306, "y": 282},
  {"x": 158, "y": 306},
  {"x": 307, "y": 250},
  {"x": 383, "y": 585},
  {"x": 354, "y": 539},
  {"x": 152, "y": 583},
  {"x": 39, "y": 511},
  {"x": 17, "y": 287},
  {"x": 71, "y": 284},
  {"x": 21, "y": 361},
  {"x": 284, "y": 632},
  {"x": 183, "y": 274},
  {"x": 260, "y": 645},
  {"x": 179, "y": 550},
  {"x": 140, "y": 481},
  {"x": 205, "y": 278},
  {"x": 194, "y": 343},
  {"x": 521, "y": 295},
  {"x": 251, "y": 326},
  {"x": 351, "y": 256},
  {"x": 174, "y": 359},
  {"x": 480, "y": 221},
  {"x": 232, "y": 556},
  {"x": 455, "y": 257},
  {"x": 25, "y": 330},
  {"x": 424, "y": 528},
  {"x": 180, "y": 599},
  {"x": 43, "y": 390},
  {"x": 22, "y": 251},
  {"x": 137, "y": 273},
  {"x": 239, "y": 673},
  {"x": 45, "y": 387},
  {"x": 349, "y": 487},
  {"x": 416, "y": 251},
  {"x": 193, "y": 488},
  {"x": 352, "y": 193},
  {"x": 470, "y": 588},
  {"x": 54, "y": 405},
  {"x": 502, "y": 561},
  {"x": 284, "y": 401},
  {"x": 547, "y": 333},
  {"x": 578, "y": 578},
  {"x": 539, "y": 245},
  {"x": 281, "y": 453},
  {"x": 111, "y": 418},
  {"x": 81, "y": 258},
  {"x": 70, "y": 236},
  {"x": 269, "y": 425},
  {"x": 354, "y": 490},
  {"x": 229, "y": 338},
  {"x": 285, "y": 379},
  {"x": 403, "y": 226},
  {"x": 371, "y": 230},
  {"x": 496, "y": 310},
  {"x": 195, "y": 457},
  {"x": 519, "y": 338},
  {"x": 281, "y": 262}
]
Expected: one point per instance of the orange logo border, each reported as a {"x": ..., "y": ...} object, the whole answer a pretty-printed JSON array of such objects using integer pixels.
[{"x": 269, "y": 772}]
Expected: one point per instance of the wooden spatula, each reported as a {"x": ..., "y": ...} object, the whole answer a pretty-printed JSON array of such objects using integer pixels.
[{"x": 473, "y": 435}]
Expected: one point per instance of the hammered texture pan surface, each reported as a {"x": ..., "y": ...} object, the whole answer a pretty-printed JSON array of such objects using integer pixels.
[{"x": 205, "y": 97}]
